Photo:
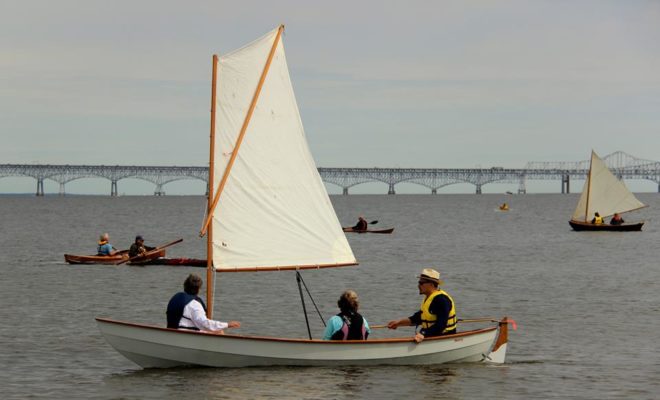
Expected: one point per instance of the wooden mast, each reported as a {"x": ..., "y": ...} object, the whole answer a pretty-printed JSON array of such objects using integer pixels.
[
  {"x": 239, "y": 140},
  {"x": 209, "y": 238},
  {"x": 586, "y": 211}
]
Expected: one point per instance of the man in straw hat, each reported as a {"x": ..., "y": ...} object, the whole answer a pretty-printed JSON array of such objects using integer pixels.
[{"x": 437, "y": 314}]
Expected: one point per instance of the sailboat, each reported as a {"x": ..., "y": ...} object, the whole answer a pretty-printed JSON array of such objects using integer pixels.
[
  {"x": 271, "y": 212},
  {"x": 606, "y": 195}
]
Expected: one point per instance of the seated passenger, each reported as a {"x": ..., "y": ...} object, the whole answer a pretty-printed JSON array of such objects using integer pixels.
[
  {"x": 187, "y": 311},
  {"x": 105, "y": 248},
  {"x": 616, "y": 219},
  {"x": 597, "y": 219},
  {"x": 348, "y": 324}
]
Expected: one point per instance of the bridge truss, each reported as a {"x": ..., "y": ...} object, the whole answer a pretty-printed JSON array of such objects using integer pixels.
[{"x": 622, "y": 165}]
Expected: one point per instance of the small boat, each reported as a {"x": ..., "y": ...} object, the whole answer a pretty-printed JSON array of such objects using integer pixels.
[
  {"x": 183, "y": 262},
  {"x": 350, "y": 229},
  {"x": 606, "y": 195},
  {"x": 588, "y": 226},
  {"x": 504, "y": 207},
  {"x": 274, "y": 214},
  {"x": 114, "y": 259},
  {"x": 156, "y": 347}
]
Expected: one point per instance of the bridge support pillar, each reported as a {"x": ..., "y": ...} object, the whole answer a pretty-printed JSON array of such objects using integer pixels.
[
  {"x": 40, "y": 187},
  {"x": 344, "y": 191},
  {"x": 159, "y": 190},
  {"x": 522, "y": 189},
  {"x": 113, "y": 188},
  {"x": 391, "y": 189},
  {"x": 478, "y": 188},
  {"x": 62, "y": 193},
  {"x": 434, "y": 191},
  {"x": 565, "y": 183}
]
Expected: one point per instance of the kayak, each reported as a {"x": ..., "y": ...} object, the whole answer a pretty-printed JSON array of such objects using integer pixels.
[
  {"x": 349, "y": 229},
  {"x": 114, "y": 259},
  {"x": 183, "y": 262}
]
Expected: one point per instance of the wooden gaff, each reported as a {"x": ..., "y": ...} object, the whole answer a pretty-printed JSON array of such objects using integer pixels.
[{"x": 239, "y": 140}]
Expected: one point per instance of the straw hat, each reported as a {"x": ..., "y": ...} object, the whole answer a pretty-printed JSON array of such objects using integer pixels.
[{"x": 431, "y": 275}]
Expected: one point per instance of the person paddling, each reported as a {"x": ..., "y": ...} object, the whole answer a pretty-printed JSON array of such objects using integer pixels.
[
  {"x": 138, "y": 247},
  {"x": 361, "y": 225}
]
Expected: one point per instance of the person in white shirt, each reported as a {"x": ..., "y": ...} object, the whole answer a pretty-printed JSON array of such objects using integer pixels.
[{"x": 186, "y": 310}]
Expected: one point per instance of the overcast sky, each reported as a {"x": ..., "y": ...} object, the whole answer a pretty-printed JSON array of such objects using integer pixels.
[{"x": 379, "y": 83}]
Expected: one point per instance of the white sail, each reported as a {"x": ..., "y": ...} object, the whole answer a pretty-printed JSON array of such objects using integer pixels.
[
  {"x": 274, "y": 210},
  {"x": 604, "y": 194}
]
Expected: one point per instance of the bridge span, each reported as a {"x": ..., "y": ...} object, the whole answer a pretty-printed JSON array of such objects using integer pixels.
[{"x": 622, "y": 165}]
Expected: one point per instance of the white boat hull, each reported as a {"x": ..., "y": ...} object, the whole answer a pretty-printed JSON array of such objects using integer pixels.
[{"x": 155, "y": 347}]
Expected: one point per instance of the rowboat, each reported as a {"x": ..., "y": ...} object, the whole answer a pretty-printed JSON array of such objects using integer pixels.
[
  {"x": 157, "y": 347},
  {"x": 349, "y": 229},
  {"x": 605, "y": 195},
  {"x": 120, "y": 256},
  {"x": 274, "y": 214}
]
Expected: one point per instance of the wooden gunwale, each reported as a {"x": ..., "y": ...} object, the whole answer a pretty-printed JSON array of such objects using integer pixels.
[{"x": 293, "y": 340}]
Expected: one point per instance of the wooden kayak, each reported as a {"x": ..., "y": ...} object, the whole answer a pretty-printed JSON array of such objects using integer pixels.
[
  {"x": 110, "y": 260},
  {"x": 349, "y": 229},
  {"x": 587, "y": 226}
]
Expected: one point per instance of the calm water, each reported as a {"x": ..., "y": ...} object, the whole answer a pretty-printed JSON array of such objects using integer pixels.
[{"x": 587, "y": 304}]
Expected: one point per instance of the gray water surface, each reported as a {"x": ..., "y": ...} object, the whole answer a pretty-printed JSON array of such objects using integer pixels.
[{"x": 586, "y": 304}]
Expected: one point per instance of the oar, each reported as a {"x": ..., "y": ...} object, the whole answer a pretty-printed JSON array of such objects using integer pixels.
[
  {"x": 377, "y": 326},
  {"x": 157, "y": 249},
  {"x": 373, "y": 222},
  {"x": 460, "y": 320}
]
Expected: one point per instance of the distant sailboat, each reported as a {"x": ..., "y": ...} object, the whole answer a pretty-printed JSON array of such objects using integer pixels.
[{"x": 606, "y": 195}]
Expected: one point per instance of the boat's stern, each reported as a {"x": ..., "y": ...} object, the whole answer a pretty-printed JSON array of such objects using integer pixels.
[{"x": 498, "y": 353}]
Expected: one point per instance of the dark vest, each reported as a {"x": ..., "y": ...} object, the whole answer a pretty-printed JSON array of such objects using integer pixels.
[
  {"x": 352, "y": 329},
  {"x": 176, "y": 305}
]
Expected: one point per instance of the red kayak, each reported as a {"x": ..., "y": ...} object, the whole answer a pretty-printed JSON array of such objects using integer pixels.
[{"x": 348, "y": 229}]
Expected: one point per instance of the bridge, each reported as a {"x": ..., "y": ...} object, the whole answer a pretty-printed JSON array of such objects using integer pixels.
[{"x": 621, "y": 164}]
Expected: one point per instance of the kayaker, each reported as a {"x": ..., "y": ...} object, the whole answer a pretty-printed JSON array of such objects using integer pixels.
[
  {"x": 361, "y": 225},
  {"x": 186, "y": 310},
  {"x": 138, "y": 247},
  {"x": 348, "y": 324},
  {"x": 105, "y": 248},
  {"x": 437, "y": 314}
]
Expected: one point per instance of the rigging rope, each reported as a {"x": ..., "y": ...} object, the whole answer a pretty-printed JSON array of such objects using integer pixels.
[
  {"x": 302, "y": 299},
  {"x": 300, "y": 280},
  {"x": 312, "y": 299}
]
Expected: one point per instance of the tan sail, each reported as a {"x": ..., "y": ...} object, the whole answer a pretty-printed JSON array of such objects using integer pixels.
[{"x": 603, "y": 193}]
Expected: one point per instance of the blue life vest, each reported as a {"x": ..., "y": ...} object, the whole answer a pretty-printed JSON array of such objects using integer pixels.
[
  {"x": 352, "y": 329},
  {"x": 175, "y": 308},
  {"x": 104, "y": 249}
]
